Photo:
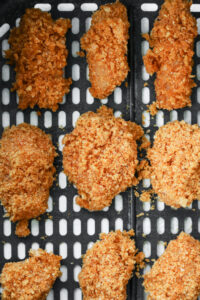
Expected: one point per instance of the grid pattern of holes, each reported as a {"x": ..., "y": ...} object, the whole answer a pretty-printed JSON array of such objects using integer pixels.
[{"x": 66, "y": 229}]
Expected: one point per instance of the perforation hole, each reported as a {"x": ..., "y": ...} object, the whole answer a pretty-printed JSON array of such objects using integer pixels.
[
  {"x": 89, "y": 98},
  {"x": 145, "y": 95},
  {"x": 198, "y": 95},
  {"x": 104, "y": 225},
  {"x": 198, "y": 48},
  {"x": 62, "y": 180},
  {"x": 48, "y": 119},
  {"x": 77, "y": 226},
  {"x": 75, "y": 72},
  {"x": 50, "y": 296},
  {"x": 160, "y": 118},
  {"x": 3, "y": 29},
  {"x": 88, "y": 23},
  {"x": 198, "y": 118},
  {"x": 17, "y": 22},
  {"x": 119, "y": 224},
  {"x": 63, "y": 227},
  {"x": 198, "y": 72},
  {"x": 34, "y": 118},
  {"x": 49, "y": 247},
  {"x": 7, "y": 227},
  {"x": 198, "y": 25},
  {"x": 77, "y": 294},
  {"x": 35, "y": 246},
  {"x": 118, "y": 95},
  {"x": 144, "y": 47},
  {"x": 145, "y": 75},
  {"x": 160, "y": 248},
  {"x": 66, "y": 7},
  {"x": 77, "y": 270},
  {"x": 21, "y": 250},
  {"x": 75, "y": 25},
  {"x": 34, "y": 227},
  {"x": 199, "y": 225},
  {"x": 63, "y": 250},
  {"x": 187, "y": 116},
  {"x": 160, "y": 205},
  {"x": 87, "y": 72},
  {"x": 75, "y": 116},
  {"x": 48, "y": 227},
  {"x": 146, "y": 226},
  {"x": 75, "y": 48},
  {"x": 63, "y": 270},
  {"x": 62, "y": 119},
  {"x": 146, "y": 183},
  {"x": 173, "y": 115},
  {"x": 174, "y": 225},
  {"x": 5, "y": 73},
  {"x": 43, "y": 6},
  {"x": 160, "y": 225},
  {"x": 149, "y": 7},
  {"x": 118, "y": 203},
  {"x": 63, "y": 294},
  {"x": 5, "y": 46},
  {"x": 91, "y": 226},
  {"x": 104, "y": 101},
  {"x": 146, "y": 119},
  {"x": 60, "y": 143},
  {"x": 89, "y": 7},
  {"x": 62, "y": 203},
  {"x": 5, "y": 96},
  {"x": 7, "y": 250},
  {"x": 188, "y": 225},
  {"x": 147, "y": 249},
  {"x": 146, "y": 206},
  {"x": 77, "y": 250},
  {"x": 5, "y": 119},
  {"x": 19, "y": 117},
  {"x": 118, "y": 114},
  {"x": 76, "y": 95},
  {"x": 76, "y": 207},
  {"x": 144, "y": 25},
  {"x": 195, "y": 8}
]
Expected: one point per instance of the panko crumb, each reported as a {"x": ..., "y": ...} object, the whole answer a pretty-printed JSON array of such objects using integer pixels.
[
  {"x": 153, "y": 108},
  {"x": 32, "y": 278},
  {"x": 146, "y": 196},
  {"x": 81, "y": 53},
  {"x": 106, "y": 46},
  {"x": 176, "y": 274},
  {"x": 108, "y": 266},
  {"x": 171, "y": 54},
  {"x": 175, "y": 159},
  {"x": 100, "y": 157},
  {"x": 26, "y": 173},
  {"x": 38, "y": 51}
]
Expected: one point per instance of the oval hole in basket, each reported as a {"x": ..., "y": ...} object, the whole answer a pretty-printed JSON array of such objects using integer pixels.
[
  {"x": 188, "y": 225},
  {"x": 145, "y": 75},
  {"x": 145, "y": 95},
  {"x": 21, "y": 250},
  {"x": 149, "y": 7},
  {"x": 77, "y": 250},
  {"x": 75, "y": 25},
  {"x": 48, "y": 227},
  {"x": 49, "y": 247},
  {"x": 119, "y": 224},
  {"x": 147, "y": 248},
  {"x": 76, "y": 95},
  {"x": 89, "y": 6},
  {"x": 63, "y": 270},
  {"x": 89, "y": 98},
  {"x": 63, "y": 293},
  {"x": 19, "y": 117},
  {"x": 62, "y": 180},
  {"x": 7, "y": 250},
  {"x": 66, "y": 7},
  {"x": 118, "y": 203},
  {"x": 7, "y": 227},
  {"x": 144, "y": 25},
  {"x": 77, "y": 294},
  {"x": 76, "y": 207},
  {"x": 5, "y": 119},
  {"x": 4, "y": 28},
  {"x": 63, "y": 250},
  {"x": 104, "y": 225},
  {"x": 43, "y": 6},
  {"x": 62, "y": 203},
  {"x": 63, "y": 227},
  {"x": 34, "y": 227},
  {"x": 91, "y": 226},
  {"x": 5, "y": 46},
  {"x": 75, "y": 72},
  {"x": 174, "y": 225},
  {"x": 50, "y": 296},
  {"x": 144, "y": 47},
  {"x": 77, "y": 226},
  {"x": 160, "y": 225},
  {"x": 77, "y": 270},
  {"x": 34, "y": 118},
  {"x": 5, "y": 96},
  {"x": 146, "y": 226},
  {"x": 160, "y": 248},
  {"x": 195, "y": 8}
]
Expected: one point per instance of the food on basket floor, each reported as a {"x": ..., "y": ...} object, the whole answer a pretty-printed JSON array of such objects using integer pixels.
[
  {"x": 175, "y": 161},
  {"x": 106, "y": 46},
  {"x": 39, "y": 54},
  {"x": 26, "y": 173},
  {"x": 176, "y": 274},
  {"x": 32, "y": 278},
  {"x": 172, "y": 42},
  {"x": 100, "y": 157},
  {"x": 108, "y": 266}
]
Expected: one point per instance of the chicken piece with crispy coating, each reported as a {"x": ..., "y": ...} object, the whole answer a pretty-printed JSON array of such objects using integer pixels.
[
  {"x": 176, "y": 274},
  {"x": 106, "y": 47},
  {"x": 172, "y": 42},
  {"x": 32, "y": 278},
  {"x": 39, "y": 54},
  {"x": 108, "y": 266},
  {"x": 100, "y": 157},
  {"x": 26, "y": 173}
]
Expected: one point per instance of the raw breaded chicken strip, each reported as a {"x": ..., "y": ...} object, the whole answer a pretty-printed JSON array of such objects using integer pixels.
[
  {"x": 106, "y": 46},
  {"x": 172, "y": 41},
  {"x": 100, "y": 157},
  {"x": 175, "y": 163},
  {"x": 108, "y": 266},
  {"x": 32, "y": 278},
  {"x": 39, "y": 54},
  {"x": 26, "y": 173},
  {"x": 176, "y": 274}
]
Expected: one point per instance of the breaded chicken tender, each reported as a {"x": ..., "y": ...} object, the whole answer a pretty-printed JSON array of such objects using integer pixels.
[
  {"x": 100, "y": 157},
  {"x": 39, "y": 54},
  {"x": 108, "y": 266},
  {"x": 175, "y": 163},
  {"x": 26, "y": 173},
  {"x": 176, "y": 274},
  {"x": 106, "y": 47},
  {"x": 32, "y": 278},
  {"x": 172, "y": 42}
]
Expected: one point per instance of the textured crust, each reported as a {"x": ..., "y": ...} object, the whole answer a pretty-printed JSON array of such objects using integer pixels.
[
  {"x": 172, "y": 40},
  {"x": 175, "y": 163},
  {"x": 100, "y": 157},
  {"x": 176, "y": 274},
  {"x": 31, "y": 279},
  {"x": 106, "y": 46},
  {"x": 39, "y": 54},
  {"x": 108, "y": 266},
  {"x": 26, "y": 173}
]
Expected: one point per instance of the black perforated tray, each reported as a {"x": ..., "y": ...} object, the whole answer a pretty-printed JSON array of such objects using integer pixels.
[{"x": 53, "y": 234}]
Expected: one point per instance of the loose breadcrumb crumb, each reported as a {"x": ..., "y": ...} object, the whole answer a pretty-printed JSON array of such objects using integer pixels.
[
  {"x": 100, "y": 157},
  {"x": 39, "y": 54},
  {"x": 175, "y": 159},
  {"x": 81, "y": 53},
  {"x": 106, "y": 46},
  {"x": 172, "y": 40},
  {"x": 32, "y": 278},
  {"x": 26, "y": 173},
  {"x": 108, "y": 266},
  {"x": 146, "y": 196},
  {"x": 153, "y": 108},
  {"x": 176, "y": 274}
]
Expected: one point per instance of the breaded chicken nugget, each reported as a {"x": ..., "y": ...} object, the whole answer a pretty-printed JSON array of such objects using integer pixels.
[
  {"x": 106, "y": 46},
  {"x": 100, "y": 157},
  {"x": 39, "y": 54},
  {"x": 32, "y": 278},
  {"x": 176, "y": 274},
  {"x": 26, "y": 173},
  {"x": 172, "y": 40},
  {"x": 175, "y": 163},
  {"x": 108, "y": 266}
]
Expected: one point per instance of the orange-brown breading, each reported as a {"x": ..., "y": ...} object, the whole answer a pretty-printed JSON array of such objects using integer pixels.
[
  {"x": 26, "y": 173},
  {"x": 39, "y": 54},
  {"x": 32, "y": 278},
  {"x": 172, "y": 40},
  {"x": 106, "y": 46},
  {"x": 100, "y": 157},
  {"x": 108, "y": 266},
  {"x": 175, "y": 163},
  {"x": 176, "y": 274}
]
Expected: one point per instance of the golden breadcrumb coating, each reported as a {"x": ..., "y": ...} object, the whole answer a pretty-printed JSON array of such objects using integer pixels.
[
  {"x": 26, "y": 173},
  {"x": 175, "y": 161},
  {"x": 100, "y": 157},
  {"x": 172, "y": 42},
  {"x": 32, "y": 278},
  {"x": 108, "y": 266},
  {"x": 106, "y": 45},
  {"x": 39, "y": 54},
  {"x": 176, "y": 274}
]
